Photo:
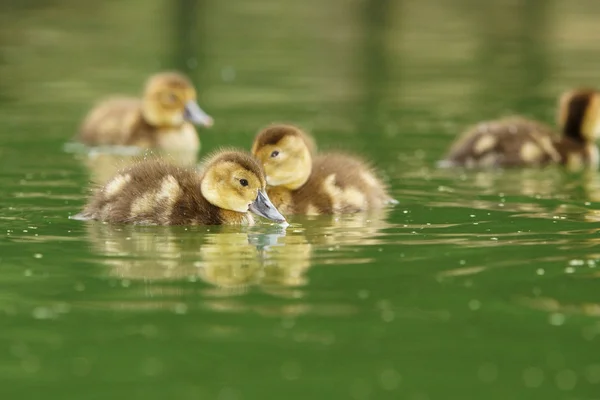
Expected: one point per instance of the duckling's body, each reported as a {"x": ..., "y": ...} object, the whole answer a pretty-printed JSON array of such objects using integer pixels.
[
  {"x": 163, "y": 118},
  {"x": 520, "y": 142},
  {"x": 157, "y": 193},
  {"x": 329, "y": 183}
]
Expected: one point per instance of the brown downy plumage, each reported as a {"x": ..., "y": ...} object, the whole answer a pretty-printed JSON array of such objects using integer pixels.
[
  {"x": 164, "y": 117},
  {"x": 157, "y": 193},
  {"x": 519, "y": 142},
  {"x": 327, "y": 183}
]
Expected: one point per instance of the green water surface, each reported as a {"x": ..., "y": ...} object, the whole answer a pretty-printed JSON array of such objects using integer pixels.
[{"x": 479, "y": 285}]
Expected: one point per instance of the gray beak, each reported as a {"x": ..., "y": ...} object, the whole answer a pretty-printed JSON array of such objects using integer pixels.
[
  {"x": 263, "y": 207},
  {"x": 195, "y": 115}
]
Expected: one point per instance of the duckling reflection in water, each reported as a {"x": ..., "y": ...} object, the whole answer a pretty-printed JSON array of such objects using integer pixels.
[
  {"x": 164, "y": 117},
  {"x": 301, "y": 182},
  {"x": 519, "y": 142},
  {"x": 228, "y": 257},
  {"x": 156, "y": 193},
  {"x": 105, "y": 164}
]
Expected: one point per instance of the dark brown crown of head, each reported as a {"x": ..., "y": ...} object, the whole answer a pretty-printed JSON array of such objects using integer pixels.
[
  {"x": 577, "y": 103},
  {"x": 275, "y": 133},
  {"x": 172, "y": 79},
  {"x": 242, "y": 158}
]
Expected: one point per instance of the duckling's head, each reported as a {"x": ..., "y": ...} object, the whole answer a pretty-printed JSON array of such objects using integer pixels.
[
  {"x": 285, "y": 153},
  {"x": 170, "y": 100},
  {"x": 579, "y": 114},
  {"x": 235, "y": 181}
]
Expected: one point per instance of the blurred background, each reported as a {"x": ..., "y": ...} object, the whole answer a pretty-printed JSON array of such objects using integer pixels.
[{"x": 477, "y": 286}]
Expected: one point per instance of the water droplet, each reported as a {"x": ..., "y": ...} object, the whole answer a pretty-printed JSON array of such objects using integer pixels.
[
  {"x": 533, "y": 377},
  {"x": 228, "y": 74},
  {"x": 38, "y": 255},
  {"x": 390, "y": 379},
  {"x": 569, "y": 270},
  {"x": 363, "y": 294},
  {"x": 487, "y": 373},
  {"x": 152, "y": 366},
  {"x": 566, "y": 380},
  {"x": 180, "y": 308},
  {"x": 81, "y": 366},
  {"x": 474, "y": 305},
  {"x": 540, "y": 271},
  {"x": 556, "y": 319},
  {"x": 228, "y": 393},
  {"x": 576, "y": 263},
  {"x": 30, "y": 364},
  {"x": 592, "y": 374},
  {"x": 125, "y": 283},
  {"x": 42, "y": 313},
  {"x": 360, "y": 389},
  {"x": 28, "y": 273},
  {"x": 387, "y": 315},
  {"x": 291, "y": 370},
  {"x": 288, "y": 323}
]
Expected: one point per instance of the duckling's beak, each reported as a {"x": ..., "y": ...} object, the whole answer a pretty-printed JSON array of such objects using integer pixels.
[
  {"x": 263, "y": 207},
  {"x": 196, "y": 115}
]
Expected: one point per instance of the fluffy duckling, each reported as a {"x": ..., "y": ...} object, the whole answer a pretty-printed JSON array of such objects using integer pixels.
[
  {"x": 518, "y": 142},
  {"x": 329, "y": 183},
  {"x": 157, "y": 193},
  {"x": 164, "y": 117}
]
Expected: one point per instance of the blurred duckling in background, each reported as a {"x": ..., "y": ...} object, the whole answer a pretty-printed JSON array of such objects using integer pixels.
[
  {"x": 156, "y": 193},
  {"x": 300, "y": 182},
  {"x": 164, "y": 118},
  {"x": 519, "y": 142}
]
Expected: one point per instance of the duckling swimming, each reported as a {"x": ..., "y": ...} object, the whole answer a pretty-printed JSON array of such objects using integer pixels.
[
  {"x": 163, "y": 118},
  {"x": 519, "y": 142},
  {"x": 330, "y": 183},
  {"x": 157, "y": 193}
]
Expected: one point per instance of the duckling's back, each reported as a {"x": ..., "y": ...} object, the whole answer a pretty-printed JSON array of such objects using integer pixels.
[
  {"x": 340, "y": 183},
  {"x": 114, "y": 121},
  {"x": 510, "y": 142},
  {"x": 153, "y": 193}
]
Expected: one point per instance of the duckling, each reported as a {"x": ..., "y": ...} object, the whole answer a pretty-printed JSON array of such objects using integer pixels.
[
  {"x": 519, "y": 142},
  {"x": 300, "y": 182},
  {"x": 163, "y": 118},
  {"x": 154, "y": 192}
]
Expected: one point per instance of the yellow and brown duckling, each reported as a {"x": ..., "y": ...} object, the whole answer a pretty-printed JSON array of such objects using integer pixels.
[
  {"x": 164, "y": 118},
  {"x": 519, "y": 142},
  {"x": 157, "y": 193},
  {"x": 300, "y": 182}
]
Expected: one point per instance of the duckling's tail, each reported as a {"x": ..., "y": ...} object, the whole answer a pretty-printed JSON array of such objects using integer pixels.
[{"x": 82, "y": 216}]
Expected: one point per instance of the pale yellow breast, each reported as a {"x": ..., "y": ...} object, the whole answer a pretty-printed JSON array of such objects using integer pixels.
[{"x": 184, "y": 139}]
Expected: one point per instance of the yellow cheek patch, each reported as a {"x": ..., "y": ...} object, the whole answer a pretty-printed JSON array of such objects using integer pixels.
[
  {"x": 169, "y": 189},
  {"x": 489, "y": 160},
  {"x": 342, "y": 198},
  {"x": 143, "y": 205},
  {"x": 312, "y": 210},
  {"x": 591, "y": 119},
  {"x": 530, "y": 152},
  {"x": 116, "y": 185},
  {"x": 575, "y": 161},
  {"x": 485, "y": 143}
]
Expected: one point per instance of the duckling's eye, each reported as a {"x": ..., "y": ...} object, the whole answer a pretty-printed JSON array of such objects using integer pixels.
[
  {"x": 274, "y": 154},
  {"x": 171, "y": 98},
  {"x": 244, "y": 182}
]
